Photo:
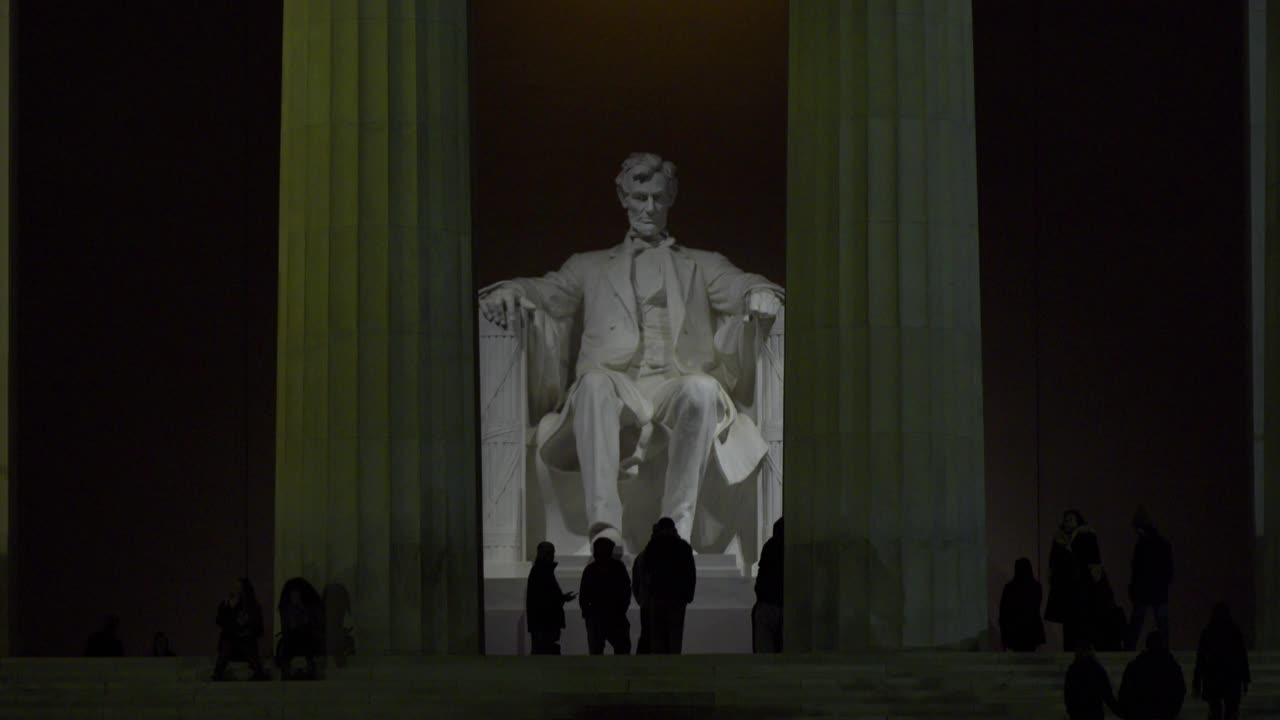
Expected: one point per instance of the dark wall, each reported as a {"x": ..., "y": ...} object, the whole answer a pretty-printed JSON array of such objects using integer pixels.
[
  {"x": 556, "y": 109},
  {"x": 147, "y": 141},
  {"x": 1113, "y": 199}
]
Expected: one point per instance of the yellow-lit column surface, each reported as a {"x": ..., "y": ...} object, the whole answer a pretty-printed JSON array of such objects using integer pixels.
[
  {"x": 884, "y": 467},
  {"x": 6, "y": 297},
  {"x": 376, "y": 459}
]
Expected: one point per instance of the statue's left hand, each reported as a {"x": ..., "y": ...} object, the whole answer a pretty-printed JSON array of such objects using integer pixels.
[{"x": 763, "y": 303}]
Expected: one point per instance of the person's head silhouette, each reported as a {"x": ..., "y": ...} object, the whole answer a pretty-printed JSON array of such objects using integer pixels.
[
  {"x": 602, "y": 549},
  {"x": 546, "y": 551},
  {"x": 1156, "y": 642}
]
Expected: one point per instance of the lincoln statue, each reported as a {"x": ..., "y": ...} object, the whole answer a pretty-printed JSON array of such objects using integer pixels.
[{"x": 667, "y": 337}]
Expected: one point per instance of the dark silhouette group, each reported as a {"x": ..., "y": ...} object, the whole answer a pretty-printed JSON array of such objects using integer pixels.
[
  {"x": 1081, "y": 600},
  {"x": 662, "y": 581}
]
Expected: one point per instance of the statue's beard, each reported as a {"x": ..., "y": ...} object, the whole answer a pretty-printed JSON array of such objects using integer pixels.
[{"x": 647, "y": 228}]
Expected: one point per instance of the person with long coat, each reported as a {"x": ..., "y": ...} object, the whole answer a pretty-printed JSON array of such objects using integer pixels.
[
  {"x": 1021, "y": 629},
  {"x": 544, "y": 602},
  {"x": 1222, "y": 666},
  {"x": 670, "y": 574},
  {"x": 1075, "y": 577}
]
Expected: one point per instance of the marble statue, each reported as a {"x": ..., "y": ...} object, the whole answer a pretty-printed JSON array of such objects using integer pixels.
[{"x": 666, "y": 340}]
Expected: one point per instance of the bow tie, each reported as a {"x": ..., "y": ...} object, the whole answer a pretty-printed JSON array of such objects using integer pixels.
[{"x": 637, "y": 246}]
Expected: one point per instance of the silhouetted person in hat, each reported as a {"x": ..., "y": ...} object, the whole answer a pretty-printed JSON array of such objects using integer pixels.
[
  {"x": 1087, "y": 689},
  {"x": 1153, "y": 687},
  {"x": 640, "y": 589},
  {"x": 544, "y": 602},
  {"x": 240, "y": 620},
  {"x": 106, "y": 641},
  {"x": 1021, "y": 629},
  {"x": 671, "y": 577},
  {"x": 604, "y": 596},
  {"x": 1222, "y": 666},
  {"x": 1149, "y": 583},
  {"x": 766, "y": 616}
]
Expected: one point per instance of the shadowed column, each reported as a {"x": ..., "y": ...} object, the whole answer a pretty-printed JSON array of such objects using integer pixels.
[
  {"x": 1268, "y": 614},
  {"x": 884, "y": 467},
  {"x": 376, "y": 461},
  {"x": 6, "y": 488}
]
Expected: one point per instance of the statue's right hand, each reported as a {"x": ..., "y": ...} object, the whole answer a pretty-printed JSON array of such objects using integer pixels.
[{"x": 500, "y": 305}]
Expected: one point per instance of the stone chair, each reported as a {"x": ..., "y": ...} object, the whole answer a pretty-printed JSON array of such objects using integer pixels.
[{"x": 519, "y": 394}]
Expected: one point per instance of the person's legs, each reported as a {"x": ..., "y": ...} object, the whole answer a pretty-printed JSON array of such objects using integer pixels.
[
  {"x": 1136, "y": 622},
  {"x": 597, "y": 424},
  {"x": 596, "y": 632},
  {"x": 620, "y": 635},
  {"x": 1215, "y": 709},
  {"x": 688, "y": 408},
  {"x": 675, "y": 629},
  {"x": 224, "y": 657},
  {"x": 544, "y": 642},
  {"x": 766, "y": 628},
  {"x": 659, "y": 636},
  {"x": 249, "y": 650},
  {"x": 642, "y": 645},
  {"x": 1231, "y": 705},
  {"x": 1162, "y": 621}
]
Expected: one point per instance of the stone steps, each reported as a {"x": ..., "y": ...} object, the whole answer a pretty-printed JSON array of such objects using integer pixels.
[{"x": 898, "y": 685}]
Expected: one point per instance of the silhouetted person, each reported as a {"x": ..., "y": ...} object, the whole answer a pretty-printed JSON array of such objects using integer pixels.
[
  {"x": 1021, "y": 629},
  {"x": 640, "y": 589},
  {"x": 1222, "y": 666},
  {"x": 1075, "y": 567},
  {"x": 302, "y": 626},
  {"x": 1087, "y": 688},
  {"x": 240, "y": 620},
  {"x": 1149, "y": 583},
  {"x": 1153, "y": 687},
  {"x": 106, "y": 641},
  {"x": 604, "y": 596},
  {"x": 160, "y": 646},
  {"x": 766, "y": 616},
  {"x": 544, "y": 602},
  {"x": 671, "y": 577}
]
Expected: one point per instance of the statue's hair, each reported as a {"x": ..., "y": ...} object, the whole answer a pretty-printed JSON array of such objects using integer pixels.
[{"x": 640, "y": 166}]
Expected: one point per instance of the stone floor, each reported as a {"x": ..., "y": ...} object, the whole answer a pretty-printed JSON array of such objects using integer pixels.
[{"x": 897, "y": 685}]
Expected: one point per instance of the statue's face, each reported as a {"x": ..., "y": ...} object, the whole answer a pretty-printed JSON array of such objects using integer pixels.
[{"x": 647, "y": 204}]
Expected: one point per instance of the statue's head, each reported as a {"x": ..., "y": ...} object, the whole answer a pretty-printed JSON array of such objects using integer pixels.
[{"x": 646, "y": 187}]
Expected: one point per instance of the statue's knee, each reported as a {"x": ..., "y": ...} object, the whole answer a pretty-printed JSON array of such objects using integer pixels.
[
  {"x": 700, "y": 391},
  {"x": 595, "y": 385}
]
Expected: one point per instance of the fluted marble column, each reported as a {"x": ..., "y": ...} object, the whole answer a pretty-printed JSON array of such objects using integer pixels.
[
  {"x": 1265, "y": 48},
  {"x": 376, "y": 485},
  {"x": 884, "y": 464},
  {"x": 6, "y": 560}
]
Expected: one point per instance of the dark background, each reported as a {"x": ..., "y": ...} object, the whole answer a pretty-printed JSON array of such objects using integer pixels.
[
  {"x": 147, "y": 153},
  {"x": 1112, "y": 194},
  {"x": 703, "y": 84},
  {"x": 1113, "y": 201}
]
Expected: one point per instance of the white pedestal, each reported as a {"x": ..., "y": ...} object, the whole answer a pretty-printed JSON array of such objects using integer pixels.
[{"x": 718, "y": 621}]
